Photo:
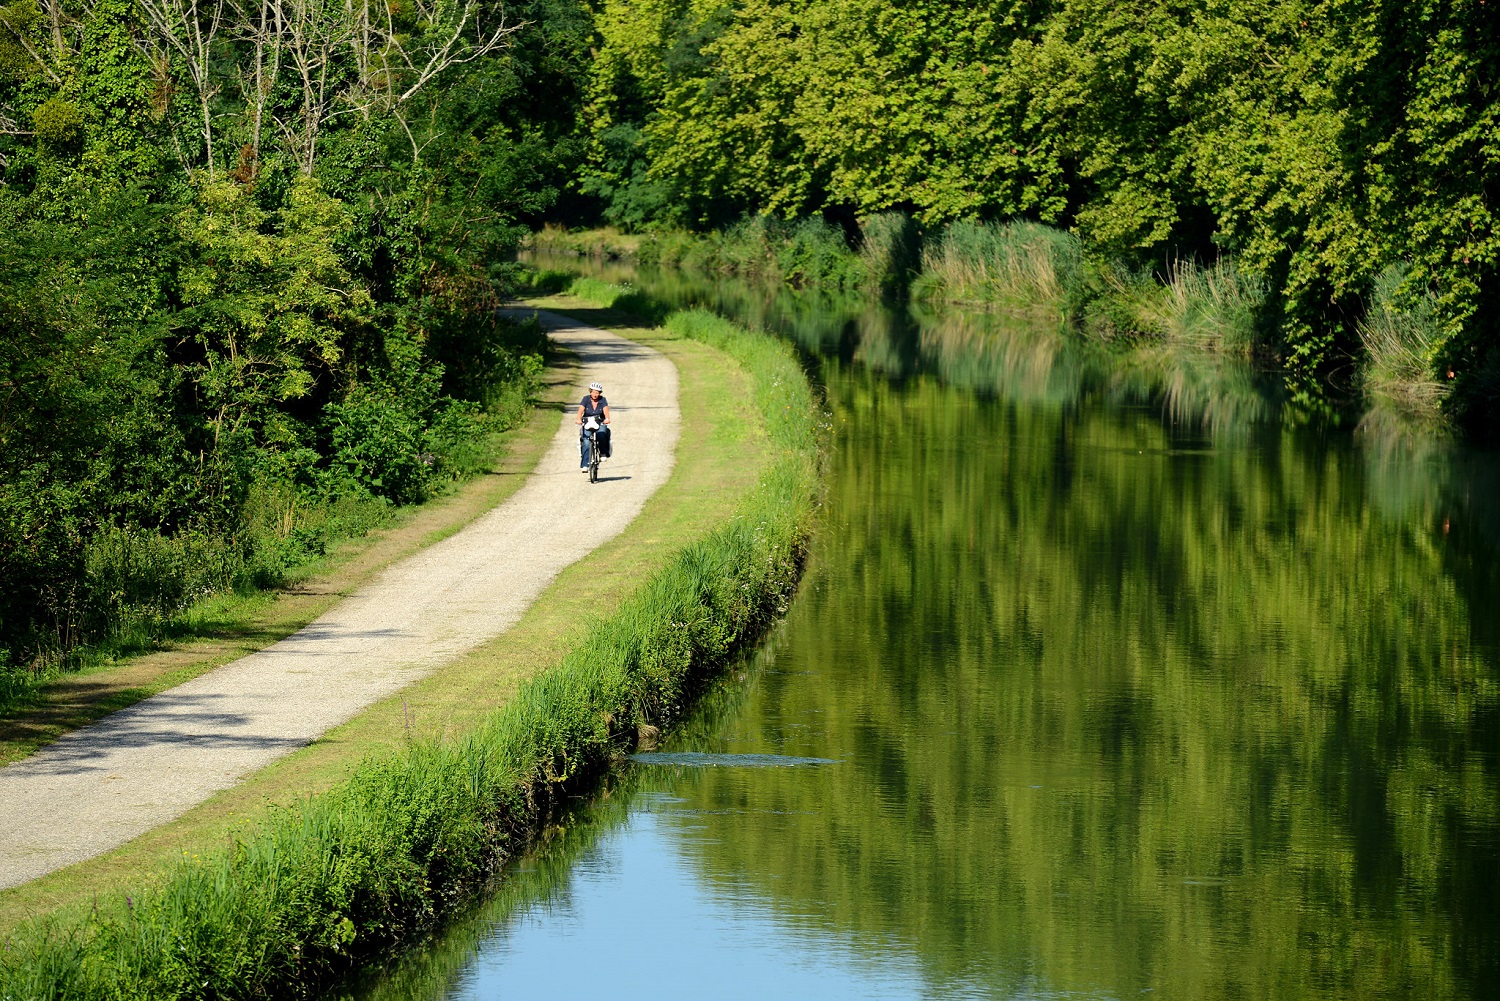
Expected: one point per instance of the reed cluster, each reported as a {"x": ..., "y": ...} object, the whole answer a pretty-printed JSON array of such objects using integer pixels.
[
  {"x": 1021, "y": 267},
  {"x": 799, "y": 253},
  {"x": 1401, "y": 335},
  {"x": 1215, "y": 308},
  {"x": 361, "y": 868}
]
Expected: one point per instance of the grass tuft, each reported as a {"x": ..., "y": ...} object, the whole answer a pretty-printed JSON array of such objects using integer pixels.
[{"x": 1216, "y": 308}]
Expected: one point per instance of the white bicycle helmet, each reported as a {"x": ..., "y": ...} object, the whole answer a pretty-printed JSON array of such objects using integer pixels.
[{"x": 594, "y": 386}]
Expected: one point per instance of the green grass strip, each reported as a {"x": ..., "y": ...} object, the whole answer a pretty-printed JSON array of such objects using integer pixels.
[{"x": 358, "y": 870}]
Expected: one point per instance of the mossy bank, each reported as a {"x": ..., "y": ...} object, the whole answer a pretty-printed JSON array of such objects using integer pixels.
[{"x": 310, "y": 889}]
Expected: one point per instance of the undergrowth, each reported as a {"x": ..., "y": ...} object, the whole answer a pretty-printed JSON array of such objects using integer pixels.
[
  {"x": 364, "y": 867},
  {"x": 380, "y": 449}
]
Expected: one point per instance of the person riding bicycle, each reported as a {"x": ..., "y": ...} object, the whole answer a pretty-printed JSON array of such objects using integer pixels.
[{"x": 592, "y": 405}]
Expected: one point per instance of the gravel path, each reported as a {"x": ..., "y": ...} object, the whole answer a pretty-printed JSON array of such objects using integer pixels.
[{"x": 99, "y": 787}]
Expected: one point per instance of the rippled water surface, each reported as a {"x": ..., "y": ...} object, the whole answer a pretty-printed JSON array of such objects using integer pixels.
[{"x": 1108, "y": 679}]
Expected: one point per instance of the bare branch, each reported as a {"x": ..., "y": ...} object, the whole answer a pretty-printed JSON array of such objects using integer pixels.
[
  {"x": 189, "y": 28},
  {"x": 19, "y": 34},
  {"x": 339, "y": 57},
  {"x": 9, "y": 127}
]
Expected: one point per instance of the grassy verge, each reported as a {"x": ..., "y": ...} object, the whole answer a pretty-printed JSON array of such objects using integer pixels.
[{"x": 308, "y": 888}]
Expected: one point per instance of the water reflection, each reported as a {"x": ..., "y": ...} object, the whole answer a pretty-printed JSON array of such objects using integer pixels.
[
  {"x": 1137, "y": 681},
  {"x": 1131, "y": 710}
]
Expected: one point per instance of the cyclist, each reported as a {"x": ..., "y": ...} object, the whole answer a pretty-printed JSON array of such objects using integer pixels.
[{"x": 592, "y": 405}]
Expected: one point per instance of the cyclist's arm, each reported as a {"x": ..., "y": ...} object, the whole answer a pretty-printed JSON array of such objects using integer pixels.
[
  {"x": 579, "y": 418},
  {"x": 606, "y": 413}
]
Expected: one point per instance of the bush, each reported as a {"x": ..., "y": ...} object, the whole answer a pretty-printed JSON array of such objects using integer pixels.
[
  {"x": 132, "y": 572},
  {"x": 378, "y": 444},
  {"x": 58, "y": 123}
]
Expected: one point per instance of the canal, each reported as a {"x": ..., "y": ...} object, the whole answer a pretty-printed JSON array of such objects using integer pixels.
[{"x": 1109, "y": 677}]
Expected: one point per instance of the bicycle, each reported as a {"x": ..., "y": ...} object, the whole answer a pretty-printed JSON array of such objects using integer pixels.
[{"x": 591, "y": 427}]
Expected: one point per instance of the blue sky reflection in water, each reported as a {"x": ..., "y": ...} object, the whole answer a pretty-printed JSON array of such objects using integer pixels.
[
  {"x": 638, "y": 921},
  {"x": 1136, "y": 684}
]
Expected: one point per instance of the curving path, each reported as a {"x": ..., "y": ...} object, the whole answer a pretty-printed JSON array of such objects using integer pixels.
[{"x": 98, "y": 787}]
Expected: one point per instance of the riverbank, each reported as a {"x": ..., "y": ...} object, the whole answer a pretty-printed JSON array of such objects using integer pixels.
[
  {"x": 93, "y": 790},
  {"x": 1042, "y": 275},
  {"x": 411, "y": 835}
]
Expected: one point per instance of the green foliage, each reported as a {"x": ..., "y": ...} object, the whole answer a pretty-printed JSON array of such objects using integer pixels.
[
  {"x": 361, "y": 868},
  {"x": 377, "y": 441},
  {"x": 798, "y": 253},
  {"x": 1316, "y": 144},
  {"x": 57, "y": 123},
  {"x": 229, "y": 343}
]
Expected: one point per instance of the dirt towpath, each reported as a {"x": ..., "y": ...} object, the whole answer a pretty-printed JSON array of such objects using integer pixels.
[{"x": 103, "y": 785}]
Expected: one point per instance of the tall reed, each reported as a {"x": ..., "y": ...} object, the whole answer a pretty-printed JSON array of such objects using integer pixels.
[
  {"x": 1213, "y": 307},
  {"x": 1021, "y": 267},
  {"x": 1401, "y": 335},
  {"x": 890, "y": 249},
  {"x": 363, "y": 867}
]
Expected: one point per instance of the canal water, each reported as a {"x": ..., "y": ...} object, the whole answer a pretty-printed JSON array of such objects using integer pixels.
[{"x": 1108, "y": 679}]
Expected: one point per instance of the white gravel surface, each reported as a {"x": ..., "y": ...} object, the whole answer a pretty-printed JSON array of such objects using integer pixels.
[{"x": 99, "y": 787}]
